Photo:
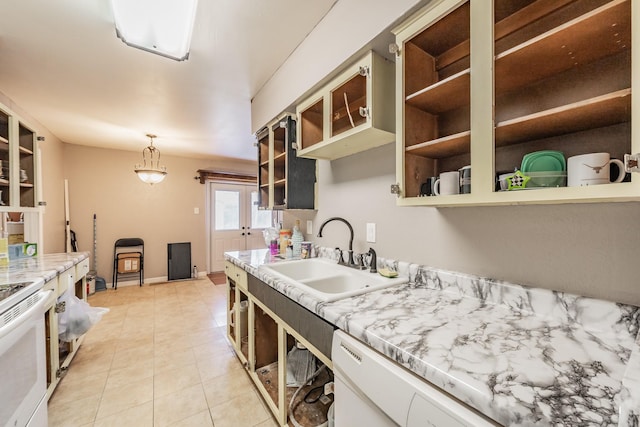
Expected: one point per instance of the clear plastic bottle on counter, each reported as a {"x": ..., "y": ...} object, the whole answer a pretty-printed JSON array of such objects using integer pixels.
[{"x": 296, "y": 239}]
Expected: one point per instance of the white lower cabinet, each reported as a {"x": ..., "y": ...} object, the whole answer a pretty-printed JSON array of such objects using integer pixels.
[
  {"x": 263, "y": 338},
  {"x": 59, "y": 353}
]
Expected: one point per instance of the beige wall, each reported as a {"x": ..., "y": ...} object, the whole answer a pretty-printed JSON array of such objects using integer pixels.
[
  {"x": 102, "y": 181},
  {"x": 587, "y": 249}
]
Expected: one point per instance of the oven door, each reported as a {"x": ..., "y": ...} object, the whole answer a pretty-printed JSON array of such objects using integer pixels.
[{"x": 23, "y": 361}]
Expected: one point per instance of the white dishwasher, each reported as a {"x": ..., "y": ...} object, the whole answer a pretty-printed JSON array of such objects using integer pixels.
[{"x": 373, "y": 391}]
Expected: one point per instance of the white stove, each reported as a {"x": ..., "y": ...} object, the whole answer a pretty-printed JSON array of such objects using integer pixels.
[{"x": 22, "y": 354}]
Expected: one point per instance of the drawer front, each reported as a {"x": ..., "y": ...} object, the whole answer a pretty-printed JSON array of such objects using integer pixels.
[
  {"x": 230, "y": 270},
  {"x": 66, "y": 280},
  {"x": 241, "y": 278},
  {"x": 51, "y": 285},
  {"x": 82, "y": 268}
]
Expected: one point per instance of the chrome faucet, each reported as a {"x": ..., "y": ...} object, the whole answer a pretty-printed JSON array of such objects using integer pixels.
[{"x": 350, "y": 262}]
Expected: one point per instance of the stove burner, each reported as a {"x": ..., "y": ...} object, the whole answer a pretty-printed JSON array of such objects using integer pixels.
[{"x": 11, "y": 288}]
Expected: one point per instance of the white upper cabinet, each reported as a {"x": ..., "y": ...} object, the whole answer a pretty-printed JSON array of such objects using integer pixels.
[
  {"x": 19, "y": 162},
  {"x": 516, "y": 86},
  {"x": 352, "y": 113}
]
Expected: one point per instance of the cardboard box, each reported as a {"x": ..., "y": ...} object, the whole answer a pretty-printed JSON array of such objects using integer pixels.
[
  {"x": 129, "y": 262},
  {"x": 14, "y": 239}
]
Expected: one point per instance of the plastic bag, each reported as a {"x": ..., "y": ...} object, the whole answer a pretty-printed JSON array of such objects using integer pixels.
[
  {"x": 77, "y": 318},
  {"x": 269, "y": 235}
]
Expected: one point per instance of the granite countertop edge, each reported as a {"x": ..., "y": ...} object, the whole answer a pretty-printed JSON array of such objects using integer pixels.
[{"x": 43, "y": 266}]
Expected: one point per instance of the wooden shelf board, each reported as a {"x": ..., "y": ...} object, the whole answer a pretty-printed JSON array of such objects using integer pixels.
[
  {"x": 4, "y": 140},
  {"x": 264, "y": 185},
  {"x": 280, "y": 159},
  {"x": 26, "y": 185},
  {"x": 527, "y": 15},
  {"x": 24, "y": 150},
  {"x": 280, "y": 182},
  {"x": 448, "y": 94},
  {"x": 597, "y": 34},
  {"x": 4, "y": 182},
  {"x": 591, "y": 113},
  {"x": 447, "y": 146},
  {"x": 506, "y": 26}
]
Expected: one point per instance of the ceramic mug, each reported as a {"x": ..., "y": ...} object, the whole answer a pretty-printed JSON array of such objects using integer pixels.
[
  {"x": 592, "y": 169},
  {"x": 427, "y": 188},
  {"x": 448, "y": 183},
  {"x": 465, "y": 179}
]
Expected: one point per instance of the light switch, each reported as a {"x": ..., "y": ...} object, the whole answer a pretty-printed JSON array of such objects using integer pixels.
[
  {"x": 309, "y": 226},
  {"x": 196, "y": 211},
  {"x": 371, "y": 232}
]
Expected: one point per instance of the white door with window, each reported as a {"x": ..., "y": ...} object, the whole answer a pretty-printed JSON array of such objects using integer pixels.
[{"x": 236, "y": 224}]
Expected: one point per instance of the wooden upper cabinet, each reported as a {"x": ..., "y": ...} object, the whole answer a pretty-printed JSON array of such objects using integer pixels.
[
  {"x": 352, "y": 113},
  {"x": 486, "y": 86}
]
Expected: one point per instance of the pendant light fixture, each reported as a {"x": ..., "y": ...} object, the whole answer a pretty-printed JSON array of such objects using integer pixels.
[{"x": 150, "y": 170}]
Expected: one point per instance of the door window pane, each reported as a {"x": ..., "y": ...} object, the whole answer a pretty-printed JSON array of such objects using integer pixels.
[
  {"x": 227, "y": 209},
  {"x": 259, "y": 218}
]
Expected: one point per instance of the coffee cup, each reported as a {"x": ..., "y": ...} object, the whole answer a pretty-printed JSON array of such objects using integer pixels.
[
  {"x": 465, "y": 179},
  {"x": 426, "y": 189},
  {"x": 592, "y": 169},
  {"x": 447, "y": 184}
]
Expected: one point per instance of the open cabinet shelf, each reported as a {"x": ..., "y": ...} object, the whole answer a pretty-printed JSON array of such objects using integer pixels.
[
  {"x": 602, "y": 32},
  {"x": 535, "y": 75},
  {"x": 596, "y": 112}
]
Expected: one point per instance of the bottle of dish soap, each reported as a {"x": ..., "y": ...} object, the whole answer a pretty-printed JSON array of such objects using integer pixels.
[{"x": 296, "y": 240}]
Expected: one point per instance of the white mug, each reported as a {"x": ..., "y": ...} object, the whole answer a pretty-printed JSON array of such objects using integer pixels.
[
  {"x": 592, "y": 169},
  {"x": 448, "y": 183}
]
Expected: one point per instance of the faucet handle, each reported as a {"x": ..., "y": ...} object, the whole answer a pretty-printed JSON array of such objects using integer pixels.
[{"x": 339, "y": 252}]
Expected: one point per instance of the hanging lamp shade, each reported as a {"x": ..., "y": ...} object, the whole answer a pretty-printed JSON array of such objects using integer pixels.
[{"x": 150, "y": 171}]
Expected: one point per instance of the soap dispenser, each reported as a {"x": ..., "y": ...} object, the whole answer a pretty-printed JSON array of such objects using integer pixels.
[{"x": 296, "y": 240}]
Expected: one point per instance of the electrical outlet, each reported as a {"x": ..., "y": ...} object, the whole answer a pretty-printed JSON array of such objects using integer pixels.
[
  {"x": 371, "y": 232},
  {"x": 309, "y": 226},
  {"x": 196, "y": 211}
]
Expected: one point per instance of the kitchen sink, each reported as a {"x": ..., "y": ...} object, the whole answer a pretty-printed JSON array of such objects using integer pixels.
[{"x": 327, "y": 280}]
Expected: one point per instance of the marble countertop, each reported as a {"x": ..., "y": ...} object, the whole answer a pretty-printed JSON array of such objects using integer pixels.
[
  {"x": 46, "y": 267},
  {"x": 522, "y": 356}
]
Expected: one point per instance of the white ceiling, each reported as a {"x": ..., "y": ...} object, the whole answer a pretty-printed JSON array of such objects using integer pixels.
[{"x": 62, "y": 63}]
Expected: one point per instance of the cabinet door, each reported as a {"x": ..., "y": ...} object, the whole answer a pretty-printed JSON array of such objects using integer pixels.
[
  {"x": 264, "y": 170},
  {"x": 5, "y": 164},
  {"x": 27, "y": 175},
  {"x": 562, "y": 83},
  {"x": 434, "y": 95},
  {"x": 351, "y": 113},
  {"x": 279, "y": 135},
  {"x": 300, "y": 172},
  {"x": 19, "y": 175}
]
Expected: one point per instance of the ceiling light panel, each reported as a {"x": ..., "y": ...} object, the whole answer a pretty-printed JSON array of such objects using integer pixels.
[{"x": 163, "y": 27}]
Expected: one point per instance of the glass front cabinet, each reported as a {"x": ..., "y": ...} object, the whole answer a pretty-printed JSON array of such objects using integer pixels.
[
  {"x": 505, "y": 98},
  {"x": 19, "y": 175},
  {"x": 351, "y": 113},
  {"x": 285, "y": 180}
]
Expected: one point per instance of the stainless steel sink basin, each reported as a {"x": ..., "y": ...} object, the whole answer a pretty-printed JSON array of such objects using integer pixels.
[{"x": 327, "y": 280}]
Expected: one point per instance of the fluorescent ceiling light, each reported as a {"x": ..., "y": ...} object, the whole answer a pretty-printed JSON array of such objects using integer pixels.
[{"x": 163, "y": 27}]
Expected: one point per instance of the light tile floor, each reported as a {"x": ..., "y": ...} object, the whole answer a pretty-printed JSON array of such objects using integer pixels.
[{"x": 158, "y": 358}]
